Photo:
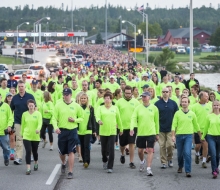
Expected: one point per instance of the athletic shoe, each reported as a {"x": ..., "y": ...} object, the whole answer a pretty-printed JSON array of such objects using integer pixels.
[
  {"x": 163, "y": 166},
  {"x": 204, "y": 165},
  {"x": 127, "y": 151},
  {"x": 28, "y": 172},
  {"x": 51, "y": 147},
  {"x": 132, "y": 166},
  {"x": 80, "y": 159},
  {"x": 197, "y": 159},
  {"x": 70, "y": 175},
  {"x": 170, "y": 163},
  {"x": 63, "y": 168},
  {"x": 12, "y": 156},
  {"x": 18, "y": 161},
  {"x": 142, "y": 167},
  {"x": 116, "y": 147},
  {"x": 215, "y": 174},
  {"x": 6, "y": 162},
  {"x": 217, "y": 170},
  {"x": 149, "y": 172},
  {"x": 109, "y": 171},
  {"x": 179, "y": 170},
  {"x": 105, "y": 165},
  {"x": 122, "y": 159},
  {"x": 208, "y": 159},
  {"x": 86, "y": 165},
  {"x": 188, "y": 175},
  {"x": 44, "y": 144},
  {"x": 35, "y": 167}
]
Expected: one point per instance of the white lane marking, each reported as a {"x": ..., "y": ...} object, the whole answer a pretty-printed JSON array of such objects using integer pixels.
[{"x": 53, "y": 174}]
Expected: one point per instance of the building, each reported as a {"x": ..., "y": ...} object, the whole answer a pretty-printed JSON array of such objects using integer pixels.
[
  {"x": 112, "y": 38},
  {"x": 181, "y": 36}
]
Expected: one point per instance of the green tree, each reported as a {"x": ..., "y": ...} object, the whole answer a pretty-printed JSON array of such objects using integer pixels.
[
  {"x": 195, "y": 44},
  {"x": 99, "y": 39},
  {"x": 165, "y": 57},
  {"x": 215, "y": 38}
]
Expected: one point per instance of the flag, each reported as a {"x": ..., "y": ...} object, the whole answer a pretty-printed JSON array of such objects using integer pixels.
[{"x": 140, "y": 8}]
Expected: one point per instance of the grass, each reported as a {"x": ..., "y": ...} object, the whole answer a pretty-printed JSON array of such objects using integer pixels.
[
  {"x": 180, "y": 57},
  {"x": 9, "y": 60}
]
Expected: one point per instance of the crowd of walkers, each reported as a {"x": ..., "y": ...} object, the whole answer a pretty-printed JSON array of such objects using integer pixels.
[{"x": 119, "y": 106}]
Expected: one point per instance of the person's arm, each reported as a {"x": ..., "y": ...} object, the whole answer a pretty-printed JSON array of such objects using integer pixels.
[
  {"x": 22, "y": 124},
  {"x": 55, "y": 118},
  {"x": 93, "y": 122},
  {"x": 134, "y": 120},
  {"x": 80, "y": 115},
  {"x": 205, "y": 130},
  {"x": 118, "y": 120},
  {"x": 98, "y": 115},
  {"x": 156, "y": 120},
  {"x": 12, "y": 105},
  {"x": 10, "y": 117},
  {"x": 39, "y": 122}
]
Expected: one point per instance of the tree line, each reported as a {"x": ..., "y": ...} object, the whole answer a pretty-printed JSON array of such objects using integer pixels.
[{"x": 93, "y": 18}]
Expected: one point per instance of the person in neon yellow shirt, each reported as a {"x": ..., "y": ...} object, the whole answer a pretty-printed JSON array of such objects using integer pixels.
[
  {"x": 177, "y": 84},
  {"x": 194, "y": 98},
  {"x": 217, "y": 93},
  {"x": 146, "y": 118},
  {"x": 52, "y": 89},
  {"x": 3, "y": 89},
  {"x": 183, "y": 126},
  {"x": 108, "y": 117},
  {"x": 38, "y": 95},
  {"x": 31, "y": 123},
  {"x": 164, "y": 84},
  {"x": 212, "y": 134},
  {"x": 153, "y": 97}
]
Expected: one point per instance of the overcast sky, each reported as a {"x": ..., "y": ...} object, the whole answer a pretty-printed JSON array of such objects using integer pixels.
[{"x": 128, "y": 3}]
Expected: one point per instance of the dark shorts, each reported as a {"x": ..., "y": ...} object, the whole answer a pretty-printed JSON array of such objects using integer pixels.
[
  {"x": 146, "y": 141},
  {"x": 196, "y": 138},
  {"x": 67, "y": 141},
  {"x": 126, "y": 138}
]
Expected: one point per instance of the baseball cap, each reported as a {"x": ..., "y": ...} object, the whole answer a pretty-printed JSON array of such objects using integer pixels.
[
  {"x": 145, "y": 86},
  {"x": 11, "y": 74},
  {"x": 34, "y": 82},
  {"x": 177, "y": 74},
  {"x": 67, "y": 91},
  {"x": 145, "y": 94},
  {"x": 145, "y": 75},
  {"x": 218, "y": 84},
  {"x": 9, "y": 94},
  {"x": 112, "y": 77}
]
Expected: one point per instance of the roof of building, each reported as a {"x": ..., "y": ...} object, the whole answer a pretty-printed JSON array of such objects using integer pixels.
[{"x": 109, "y": 36}]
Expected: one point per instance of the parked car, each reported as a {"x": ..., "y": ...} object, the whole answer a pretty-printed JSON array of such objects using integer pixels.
[
  {"x": 38, "y": 67},
  {"x": 180, "y": 50},
  {"x": 52, "y": 47},
  {"x": 60, "y": 52},
  {"x": 78, "y": 57},
  {"x": 52, "y": 59},
  {"x": 53, "y": 66},
  {"x": 103, "y": 63},
  {"x": 64, "y": 62},
  {"x": 19, "y": 52},
  {"x": 3, "y": 68},
  {"x": 31, "y": 74}
]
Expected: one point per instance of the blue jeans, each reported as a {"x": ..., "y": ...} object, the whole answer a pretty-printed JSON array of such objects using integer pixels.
[
  {"x": 214, "y": 146},
  {"x": 4, "y": 143},
  {"x": 184, "y": 145}
]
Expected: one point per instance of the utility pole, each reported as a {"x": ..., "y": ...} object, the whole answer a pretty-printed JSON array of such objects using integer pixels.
[
  {"x": 191, "y": 36},
  {"x": 106, "y": 22}
]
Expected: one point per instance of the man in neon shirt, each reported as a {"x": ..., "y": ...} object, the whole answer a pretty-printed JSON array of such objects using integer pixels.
[{"x": 217, "y": 93}]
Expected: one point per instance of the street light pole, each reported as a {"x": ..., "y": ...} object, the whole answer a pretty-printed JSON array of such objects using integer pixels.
[
  {"x": 191, "y": 36},
  {"x": 106, "y": 22}
]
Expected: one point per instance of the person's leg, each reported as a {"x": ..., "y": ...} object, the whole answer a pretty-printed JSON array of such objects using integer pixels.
[
  {"x": 150, "y": 156},
  {"x": 4, "y": 141},
  {"x": 27, "y": 146},
  {"x": 131, "y": 151},
  {"x": 86, "y": 148},
  {"x": 212, "y": 150},
  {"x": 217, "y": 151},
  {"x": 111, "y": 151},
  {"x": 204, "y": 151},
  {"x": 12, "y": 145},
  {"x": 197, "y": 147},
  {"x": 42, "y": 131},
  {"x": 162, "y": 143},
  {"x": 179, "y": 146},
  {"x": 187, "y": 152},
  {"x": 141, "y": 154},
  {"x": 71, "y": 161},
  {"x": 50, "y": 133},
  {"x": 19, "y": 143},
  {"x": 170, "y": 147},
  {"x": 104, "y": 148},
  {"x": 82, "y": 146},
  {"x": 34, "y": 146}
]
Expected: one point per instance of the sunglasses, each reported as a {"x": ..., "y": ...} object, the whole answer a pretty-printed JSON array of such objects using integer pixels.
[{"x": 165, "y": 91}]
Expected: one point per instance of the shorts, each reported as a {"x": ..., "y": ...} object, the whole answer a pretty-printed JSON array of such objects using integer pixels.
[
  {"x": 67, "y": 140},
  {"x": 146, "y": 141},
  {"x": 126, "y": 138},
  {"x": 197, "y": 138}
]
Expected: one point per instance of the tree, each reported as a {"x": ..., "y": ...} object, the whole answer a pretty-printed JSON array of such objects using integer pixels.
[
  {"x": 164, "y": 57},
  {"x": 99, "y": 39},
  {"x": 215, "y": 38},
  {"x": 195, "y": 44}
]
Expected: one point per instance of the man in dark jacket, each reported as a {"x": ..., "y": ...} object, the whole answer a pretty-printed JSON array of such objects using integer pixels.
[{"x": 192, "y": 81}]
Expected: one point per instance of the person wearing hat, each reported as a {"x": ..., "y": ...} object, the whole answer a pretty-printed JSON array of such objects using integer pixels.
[
  {"x": 217, "y": 93},
  {"x": 112, "y": 85},
  {"x": 146, "y": 118},
  {"x": 3, "y": 89},
  {"x": 67, "y": 114},
  {"x": 5, "y": 128},
  {"x": 177, "y": 83},
  {"x": 11, "y": 82},
  {"x": 145, "y": 80},
  {"x": 38, "y": 95}
]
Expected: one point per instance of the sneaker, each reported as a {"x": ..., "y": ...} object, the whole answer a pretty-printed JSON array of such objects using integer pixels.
[
  {"x": 18, "y": 161},
  {"x": 170, "y": 163},
  {"x": 197, "y": 159},
  {"x": 204, "y": 165},
  {"x": 109, "y": 171},
  {"x": 80, "y": 159},
  {"x": 35, "y": 167},
  {"x": 180, "y": 170},
  {"x": 12, "y": 156},
  {"x": 51, "y": 147},
  {"x": 6, "y": 162},
  {"x": 86, "y": 165},
  {"x": 63, "y": 169},
  {"x": 70, "y": 175},
  {"x": 132, "y": 166},
  {"x": 217, "y": 170},
  {"x": 28, "y": 172},
  {"x": 122, "y": 159},
  {"x": 188, "y": 175},
  {"x": 215, "y": 174},
  {"x": 149, "y": 172},
  {"x": 105, "y": 165},
  {"x": 163, "y": 166},
  {"x": 116, "y": 147},
  {"x": 44, "y": 144},
  {"x": 142, "y": 167},
  {"x": 127, "y": 151},
  {"x": 208, "y": 159}
]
